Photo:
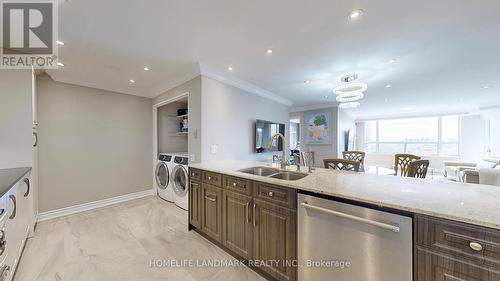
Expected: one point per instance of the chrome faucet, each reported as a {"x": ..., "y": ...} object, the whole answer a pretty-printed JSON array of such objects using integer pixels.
[{"x": 284, "y": 159}]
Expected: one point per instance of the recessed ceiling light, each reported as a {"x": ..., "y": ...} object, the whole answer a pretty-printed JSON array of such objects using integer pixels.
[
  {"x": 230, "y": 68},
  {"x": 60, "y": 43},
  {"x": 355, "y": 14},
  {"x": 60, "y": 64},
  {"x": 132, "y": 81},
  {"x": 388, "y": 85},
  {"x": 269, "y": 51},
  {"x": 146, "y": 68},
  {"x": 486, "y": 87},
  {"x": 326, "y": 97},
  {"x": 307, "y": 82},
  {"x": 392, "y": 61}
]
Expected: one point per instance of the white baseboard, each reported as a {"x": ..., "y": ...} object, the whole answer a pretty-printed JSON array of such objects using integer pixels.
[{"x": 93, "y": 205}]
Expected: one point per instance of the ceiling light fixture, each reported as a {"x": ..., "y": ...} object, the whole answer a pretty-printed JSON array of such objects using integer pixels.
[
  {"x": 307, "y": 82},
  {"x": 60, "y": 43},
  {"x": 391, "y": 61},
  {"x": 486, "y": 87},
  {"x": 230, "y": 68},
  {"x": 350, "y": 97},
  {"x": 350, "y": 87},
  {"x": 132, "y": 81},
  {"x": 146, "y": 68},
  {"x": 355, "y": 14},
  {"x": 388, "y": 85},
  {"x": 269, "y": 51},
  {"x": 326, "y": 96},
  {"x": 348, "y": 105},
  {"x": 60, "y": 64}
]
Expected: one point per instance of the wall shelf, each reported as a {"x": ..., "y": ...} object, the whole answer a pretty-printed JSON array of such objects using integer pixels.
[
  {"x": 179, "y": 134},
  {"x": 179, "y": 116}
]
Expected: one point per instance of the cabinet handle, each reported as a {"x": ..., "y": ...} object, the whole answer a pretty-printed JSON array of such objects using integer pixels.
[
  {"x": 254, "y": 216},
  {"x": 195, "y": 184},
  {"x": 248, "y": 212},
  {"x": 35, "y": 134},
  {"x": 27, "y": 182},
  {"x": 13, "y": 198},
  {"x": 210, "y": 198},
  {"x": 476, "y": 246}
]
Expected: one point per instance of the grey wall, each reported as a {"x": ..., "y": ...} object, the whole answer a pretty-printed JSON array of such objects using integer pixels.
[
  {"x": 228, "y": 116},
  {"x": 93, "y": 144},
  {"x": 345, "y": 122},
  {"x": 167, "y": 141},
  {"x": 16, "y": 138},
  {"x": 193, "y": 87}
]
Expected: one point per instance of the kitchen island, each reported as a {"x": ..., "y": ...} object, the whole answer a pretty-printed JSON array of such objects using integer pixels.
[{"x": 455, "y": 226}]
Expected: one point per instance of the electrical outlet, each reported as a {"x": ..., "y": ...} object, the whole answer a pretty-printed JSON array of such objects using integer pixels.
[{"x": 214, "y": 149}]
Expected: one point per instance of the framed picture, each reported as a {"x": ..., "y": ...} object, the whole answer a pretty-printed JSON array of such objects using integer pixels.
[{"x": 318, "y": 128}]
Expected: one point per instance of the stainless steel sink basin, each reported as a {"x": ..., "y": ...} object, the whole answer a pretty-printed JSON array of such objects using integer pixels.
[
  {"x": 289, "y": 176},
  {"x": 260, "y": 171}
]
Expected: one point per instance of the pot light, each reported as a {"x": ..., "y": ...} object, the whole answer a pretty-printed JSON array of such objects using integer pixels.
[
  {"x": 486, "y": 87},
  {"x": 230, "y": 68},
  {"x": 60, "y": 43},
  {"x": 307, "y": 82},
  {"x": 60, "y": 64},
  {"x": 355, "y": 14},
  {"x": 391, "y": 61},
  {"x": 348, "y": 105},
  {"x": 388, "y": 85},
  {"x": 326, "y": 97},
  {"x": 132, "y": 81},
  {"x": 349, "y": 97},
  {"x": 146, "y": 68},
  {"x": 269, "y": 51}
]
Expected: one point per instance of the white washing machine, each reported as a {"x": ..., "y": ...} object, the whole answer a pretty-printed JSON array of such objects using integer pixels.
[
  {"x": 180, "y": 180},
  {"x": 163, "y": 174}
]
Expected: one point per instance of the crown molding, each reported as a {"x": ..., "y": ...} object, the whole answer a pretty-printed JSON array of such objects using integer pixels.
[{"x": 243, "y": 85}]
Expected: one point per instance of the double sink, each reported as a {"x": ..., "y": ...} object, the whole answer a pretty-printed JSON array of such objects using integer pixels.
[{"x": 274, "y": 173}]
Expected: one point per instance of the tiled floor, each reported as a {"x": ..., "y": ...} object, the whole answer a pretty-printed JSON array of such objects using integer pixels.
[{"x": 118, "y": 243}]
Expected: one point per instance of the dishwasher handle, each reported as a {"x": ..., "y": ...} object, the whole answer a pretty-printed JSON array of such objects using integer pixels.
[{"x": 390, "y": 227}]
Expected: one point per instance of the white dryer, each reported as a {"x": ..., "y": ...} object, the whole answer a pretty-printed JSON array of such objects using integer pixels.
[
  {"x": 180, "y": 180},
  {"x": 163, "y": 177}
]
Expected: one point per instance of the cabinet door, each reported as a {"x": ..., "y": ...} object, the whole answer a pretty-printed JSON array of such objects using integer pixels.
[
  {"x": 211, "y": 220},
  {"x": 195, "y": 204},
  {"x": 237, "y": 224},
  {"x": 275, "y": 239}
]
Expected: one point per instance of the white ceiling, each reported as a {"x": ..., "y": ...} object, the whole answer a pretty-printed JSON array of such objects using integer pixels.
[{"x": 446, "y": 50}]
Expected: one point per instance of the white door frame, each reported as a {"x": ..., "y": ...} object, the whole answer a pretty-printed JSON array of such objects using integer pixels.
[{"x": 155, "y": 129}]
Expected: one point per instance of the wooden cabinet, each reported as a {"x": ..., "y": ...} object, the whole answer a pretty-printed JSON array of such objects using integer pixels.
[
  {"x": 253, "y": 220},
  {"x": 195, "y": 204},
  {"x": 237, "y": 223},
  {"x": 453, "y": 251},
  {"x": 275, "y": 239},
  {"x": 211, "y": 214}
]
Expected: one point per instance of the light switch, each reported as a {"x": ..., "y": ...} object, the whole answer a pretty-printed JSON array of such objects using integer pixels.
[{"x": 214, "y": 149}]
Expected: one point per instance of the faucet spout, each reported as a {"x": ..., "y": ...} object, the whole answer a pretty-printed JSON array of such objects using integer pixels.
[{"x": 284, "y": 158}]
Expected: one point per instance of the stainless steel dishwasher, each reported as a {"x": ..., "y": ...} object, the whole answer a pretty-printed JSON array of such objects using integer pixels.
[{"x": 343, "y": 242}]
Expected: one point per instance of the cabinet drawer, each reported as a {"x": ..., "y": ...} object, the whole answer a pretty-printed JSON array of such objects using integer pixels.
[
  {"x": 276, "y": 194},
  {"x": 195, "y": 174},
  {"x": 481, "y": 245},
  {"x": 436, "y": 267},
  {"x": 237, "y": 185},
  {"x": 212, "y": 178}
]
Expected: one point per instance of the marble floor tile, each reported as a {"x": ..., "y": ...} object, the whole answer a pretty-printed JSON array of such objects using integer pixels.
[{"x": 139, "y": 240}]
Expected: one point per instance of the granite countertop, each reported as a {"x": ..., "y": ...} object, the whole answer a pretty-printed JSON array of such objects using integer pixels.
[
  {"x": 469, "y": 203},
  {"x": 9, "y": 177}
]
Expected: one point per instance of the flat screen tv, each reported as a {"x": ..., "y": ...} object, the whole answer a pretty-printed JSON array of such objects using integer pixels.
[{"x": 263, "y": 132}]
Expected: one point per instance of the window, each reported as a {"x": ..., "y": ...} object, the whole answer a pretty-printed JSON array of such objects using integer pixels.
[{"x": 420, "y": 136}]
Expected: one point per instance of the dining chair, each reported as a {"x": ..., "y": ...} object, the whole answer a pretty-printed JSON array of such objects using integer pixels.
[
  {"x": 418, "y": 169},
  {"x": 342, "y": 164},
  {"x": 356, "y": 156},
  {"x": 401, "y": 163}
]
